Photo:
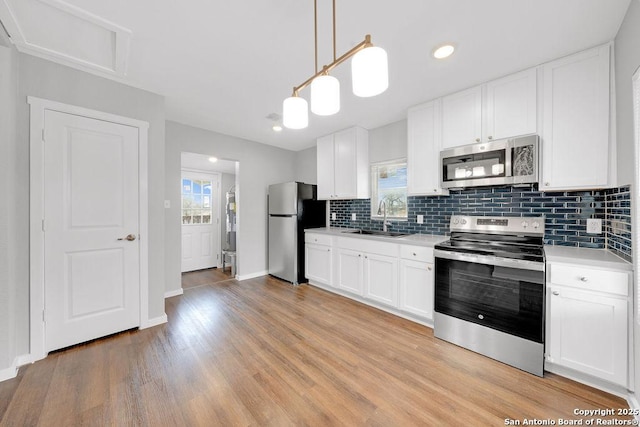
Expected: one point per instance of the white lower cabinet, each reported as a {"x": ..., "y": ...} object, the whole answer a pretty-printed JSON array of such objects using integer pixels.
[
  {"x": 381, "y": 278},
  {"x": 318, "y": 263},
  {"x": 398, "y": 277},
  {"x": 416, "y": 287},
  {"x": 349, "y": 271},
  {"x": 588, "y": 321}
]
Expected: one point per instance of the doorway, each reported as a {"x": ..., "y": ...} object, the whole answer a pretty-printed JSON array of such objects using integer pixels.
[{"x": 205, "y": 185}]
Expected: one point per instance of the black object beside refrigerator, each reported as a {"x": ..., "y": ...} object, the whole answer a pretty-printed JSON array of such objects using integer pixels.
[{"x": 293, "y": 207}]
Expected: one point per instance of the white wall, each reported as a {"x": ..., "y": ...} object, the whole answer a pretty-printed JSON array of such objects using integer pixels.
[
  {"x": 388, "y": 142},
  {"x": 306, "y": 168},
  {"x": 43, "y": 79},
  {"x": 627, "y": 55},
  {"x": 260, "y": 166},
  {"x": 8, "y": 87},
  {"x": 627, "y": 60}
]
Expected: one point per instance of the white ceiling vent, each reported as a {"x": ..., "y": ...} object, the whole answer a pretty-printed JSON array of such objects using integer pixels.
[{"x": 64, "y": 33}]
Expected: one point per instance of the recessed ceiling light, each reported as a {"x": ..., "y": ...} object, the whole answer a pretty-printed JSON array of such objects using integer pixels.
[
  {"x": 443, "y": 51},
  {"x": 276, "y": 128},
  {"x": 213, "y": 159}
]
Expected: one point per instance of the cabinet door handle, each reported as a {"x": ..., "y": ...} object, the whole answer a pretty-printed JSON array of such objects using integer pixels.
[
  {"x": 546, "y": 184},
  {"x": 555, "y": 293},
  {"x": 359, "y": 255},
  {"x": 414, "y": 254},
  {"x": 477, "y": 139},
  {"x": 490, "y": 137},
  {"x": 584, "y": 279},
  {"x": 429, "y": 268}
]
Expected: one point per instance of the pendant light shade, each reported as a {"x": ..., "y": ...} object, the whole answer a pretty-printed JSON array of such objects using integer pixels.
[
  {"x": 325, "y": 95},
  {"x": 295, "y": 113},
  {"x": 370, "y": 72}
]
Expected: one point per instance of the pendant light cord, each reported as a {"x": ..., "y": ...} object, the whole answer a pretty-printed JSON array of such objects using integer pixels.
[
  {"x": 315, "y": 31},
  {"x": 334, "y": 30}
]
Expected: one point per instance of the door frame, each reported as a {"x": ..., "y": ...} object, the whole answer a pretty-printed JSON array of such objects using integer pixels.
[
  {"x": 217, "y": 217},
  {"x": 37, "y": 107}
]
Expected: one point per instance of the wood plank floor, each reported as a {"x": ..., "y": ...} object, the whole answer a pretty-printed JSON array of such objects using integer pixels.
[{"x": 262, "y": 352}]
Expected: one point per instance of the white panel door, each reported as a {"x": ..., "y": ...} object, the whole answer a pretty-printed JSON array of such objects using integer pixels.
[
  {"x": 324, "y": 163},
  {"x": 423, "y": 149},
  {"x": 318, "y": 263},
  {"x": 511, "y": 108},
  {"x": 346, "y": 164},
  {"x": 588, "y": 333},
  {"x": 200, "y": 221},
  {"x": 462, "y": 118},
  {"x": 91, "y": 268},
  {"x": 381, "y": 278},
  {"x": 575, "y": 131},
  {"x": 416, "y": 288},
  {"x": 349, "y": 271}
]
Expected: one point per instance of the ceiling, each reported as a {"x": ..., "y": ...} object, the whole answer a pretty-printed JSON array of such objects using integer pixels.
[
  {"x": 227, "y": 65},
  {"x": 201, "y": 162}
]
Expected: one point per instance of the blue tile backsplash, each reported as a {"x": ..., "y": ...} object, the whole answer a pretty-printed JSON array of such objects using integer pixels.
[{"x": 565, "y": 213}]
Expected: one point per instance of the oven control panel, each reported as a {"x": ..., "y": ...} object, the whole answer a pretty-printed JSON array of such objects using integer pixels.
[{"x": 533, "y": 226}]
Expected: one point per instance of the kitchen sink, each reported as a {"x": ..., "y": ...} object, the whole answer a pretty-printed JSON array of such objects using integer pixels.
[{"x": 378, "y": 233}]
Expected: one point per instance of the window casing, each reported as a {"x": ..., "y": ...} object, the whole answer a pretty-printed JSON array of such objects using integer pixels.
[{"x": 389, "y": 184}]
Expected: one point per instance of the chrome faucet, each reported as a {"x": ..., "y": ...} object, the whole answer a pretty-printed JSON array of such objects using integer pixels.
[{"x": 382, "y": 210}]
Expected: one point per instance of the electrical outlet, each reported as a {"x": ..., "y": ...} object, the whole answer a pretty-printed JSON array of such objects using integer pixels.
[
  {"x": 594, "y": 226},
  {"x": 333, "y": 216},
  {"x": 353, "y": 217},
  {"x": 167, "y": 204},
  {"x": 420, "y": 219}
]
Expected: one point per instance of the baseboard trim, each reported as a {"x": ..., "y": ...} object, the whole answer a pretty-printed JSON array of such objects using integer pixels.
[
  {"x": 252, "y": 275},
  {"x": 173, "y": 293},
  {"x": 583, "y": 378},
  {"x": 149, "y": 323},
  {"x": 10, "y": 372},
  {"x": 634, "y": 404}
]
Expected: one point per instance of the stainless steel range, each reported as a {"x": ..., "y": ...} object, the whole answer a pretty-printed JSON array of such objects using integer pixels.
[{"x": 489, "y": 289}]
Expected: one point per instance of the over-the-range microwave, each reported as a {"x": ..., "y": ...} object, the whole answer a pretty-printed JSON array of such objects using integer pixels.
[{"x": 504, "y": 162}]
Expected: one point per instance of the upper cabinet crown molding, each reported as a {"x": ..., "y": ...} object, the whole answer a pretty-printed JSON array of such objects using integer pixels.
[
  {"x": 43, "y": 28},
  {"x": 343, "y": 165}
]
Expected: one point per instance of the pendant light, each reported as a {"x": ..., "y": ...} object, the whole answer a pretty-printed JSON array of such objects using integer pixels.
[
  {"x": 295, "y": 113},
  {"x": 370, "y": 77},
  {"x": 325, "y": 95},
  {"x": 369, "y": 72}
]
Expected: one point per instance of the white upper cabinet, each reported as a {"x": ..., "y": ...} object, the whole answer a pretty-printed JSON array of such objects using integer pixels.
[
  {"x": 424, "y": 142},
  {"x": 575, "y": 133},
  {"x": 462, "y": 118},
  {"x": 502, "y": 108},
  {"x": 343, "y": 165},
  {"x": 511, "y": 106}
]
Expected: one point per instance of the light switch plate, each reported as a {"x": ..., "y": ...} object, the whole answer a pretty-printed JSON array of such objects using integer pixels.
[
  {"x": 594, "y": 226},
  {"x": 420, "y": 219},
  {"x": 353, "y": 217},
  {"x": 167, "y": 204},
  {"x": 333, "y": 216}
]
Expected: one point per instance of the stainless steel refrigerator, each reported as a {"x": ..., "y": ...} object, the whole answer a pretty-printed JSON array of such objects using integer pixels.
[{"x": 292, "y": 209}]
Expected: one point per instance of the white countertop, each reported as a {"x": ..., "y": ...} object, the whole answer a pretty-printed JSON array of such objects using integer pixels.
[
  {"x": 601, "y": 258},
  {"x": 411, "y": 239}
]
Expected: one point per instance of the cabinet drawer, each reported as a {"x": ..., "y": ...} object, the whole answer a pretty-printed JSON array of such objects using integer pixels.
[
  {"x": 610, "y": 281},
  {"x": 319, "y": 239},
  {"x": 416, "y": 253}
]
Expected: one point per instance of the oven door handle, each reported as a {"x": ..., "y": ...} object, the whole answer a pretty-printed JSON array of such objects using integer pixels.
[{"x": 489, "y": 260}]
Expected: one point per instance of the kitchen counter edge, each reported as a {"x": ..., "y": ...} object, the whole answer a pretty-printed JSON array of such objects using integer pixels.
[
  {"x": 599, "y": 258},
  {"x": 427, "y": 240}
]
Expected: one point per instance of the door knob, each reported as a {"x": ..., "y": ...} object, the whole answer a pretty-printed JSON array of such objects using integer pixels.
[{"x": 130, "y": 238}]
